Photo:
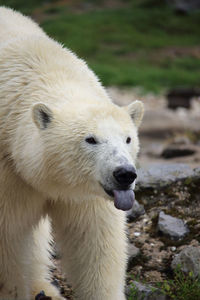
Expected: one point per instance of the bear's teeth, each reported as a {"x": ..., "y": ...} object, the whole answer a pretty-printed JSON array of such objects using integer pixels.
[{"x": 124, "y": 199}]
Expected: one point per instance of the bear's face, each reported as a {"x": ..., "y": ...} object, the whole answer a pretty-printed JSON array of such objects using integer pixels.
[{"x": 91, "y": 148}]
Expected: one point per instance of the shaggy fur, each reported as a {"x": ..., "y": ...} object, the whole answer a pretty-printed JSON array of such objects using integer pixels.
[{"x": 50, "y": 102}]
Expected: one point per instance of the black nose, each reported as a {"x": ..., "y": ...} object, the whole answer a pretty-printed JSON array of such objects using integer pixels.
[{"x": 125, "y": 175}]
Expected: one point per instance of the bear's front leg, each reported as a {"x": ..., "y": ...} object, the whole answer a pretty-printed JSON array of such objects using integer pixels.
[
  {"x": 92, "y": 241},
  {"x": 14, "y": 279}
]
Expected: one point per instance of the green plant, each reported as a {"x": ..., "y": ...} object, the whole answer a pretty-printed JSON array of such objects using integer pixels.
[
  {"x": 133, "y": 294},
  {"x": 182, "y": 287}
]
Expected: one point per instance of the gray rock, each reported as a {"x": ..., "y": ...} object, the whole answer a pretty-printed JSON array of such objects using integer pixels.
[
  {"x": 159, "y": 183},
  {"x": 160, "y": 175},
  {"x": 172, "y": 151},
  {"x": 171, "y": 227},
  {"x": 188, "y": 260},
  {"x": 141, "y": 291},
  {"x": 136, "y": 211},
  {"x": 133, "y": 252}
]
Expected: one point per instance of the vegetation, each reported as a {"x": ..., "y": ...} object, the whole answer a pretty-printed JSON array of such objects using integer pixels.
[
  {"x": 181, "y": 287},
  {"x": 137, "y": 43},
  {"x": 133, "y": 293}
]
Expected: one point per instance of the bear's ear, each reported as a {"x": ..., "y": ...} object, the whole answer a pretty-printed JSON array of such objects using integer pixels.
[
  {"x": 136, "y": 111},
  {"x": 42, "y": 115}
]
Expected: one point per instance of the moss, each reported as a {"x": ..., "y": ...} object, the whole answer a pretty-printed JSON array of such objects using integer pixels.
[{"x": 188, "y": 181}]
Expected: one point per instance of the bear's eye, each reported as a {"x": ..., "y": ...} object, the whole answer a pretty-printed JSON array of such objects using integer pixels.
[
  {"x": 91, "y": 140},
  {"x": 128, "y": 140}
]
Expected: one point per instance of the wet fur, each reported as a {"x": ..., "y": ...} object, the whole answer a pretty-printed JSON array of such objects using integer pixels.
[{"x": 50, "y": 177}]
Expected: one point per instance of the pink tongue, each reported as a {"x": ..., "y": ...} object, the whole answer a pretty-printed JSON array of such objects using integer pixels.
[{"x": 124, "y": 199}]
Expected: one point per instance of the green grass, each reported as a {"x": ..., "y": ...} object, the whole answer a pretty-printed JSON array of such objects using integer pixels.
[
  {"x": 182, "y": 287},
  {"x": 133, "y": 293},
  {"x": 128, "y": 46}
]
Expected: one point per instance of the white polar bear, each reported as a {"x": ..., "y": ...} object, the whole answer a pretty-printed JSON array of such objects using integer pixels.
[{"x": 67, "y": 155}]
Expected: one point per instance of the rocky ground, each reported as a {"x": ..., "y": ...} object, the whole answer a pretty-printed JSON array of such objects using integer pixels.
[{"x": 164, "y": 225}]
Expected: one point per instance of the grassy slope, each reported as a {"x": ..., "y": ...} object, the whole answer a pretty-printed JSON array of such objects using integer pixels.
[{"x": 134, "y": 45}]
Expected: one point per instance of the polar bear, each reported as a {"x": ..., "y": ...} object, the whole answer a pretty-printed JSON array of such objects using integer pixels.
[{"x": 67, "y": 161}]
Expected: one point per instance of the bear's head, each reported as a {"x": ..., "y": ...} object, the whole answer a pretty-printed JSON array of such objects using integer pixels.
[{"x": 89, "y": 150}]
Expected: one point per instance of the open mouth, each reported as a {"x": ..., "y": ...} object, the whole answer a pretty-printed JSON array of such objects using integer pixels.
[{"x": 123, "y": 199}]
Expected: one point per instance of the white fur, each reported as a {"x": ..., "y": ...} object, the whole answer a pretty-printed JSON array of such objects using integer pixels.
[{"x": 48, "y": 169}]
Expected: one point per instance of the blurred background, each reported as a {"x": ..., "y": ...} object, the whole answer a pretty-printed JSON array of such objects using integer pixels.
[{"x": 153, "y": 44}]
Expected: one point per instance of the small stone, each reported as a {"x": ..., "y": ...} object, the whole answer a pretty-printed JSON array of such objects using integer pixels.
[
  {"x": 144, "y": 292},
  {"x": 171, "y": 227},
  {"x": 194, "y": 243},
  {"x": 173, "y": 248},
  {"x": 188, "y": 260},
  {"x": 136, "y": 211},
  {"x": 133, "y": 252},
  {"x": 137, "y": 233},
  {"x": 172, "y": 151}
]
